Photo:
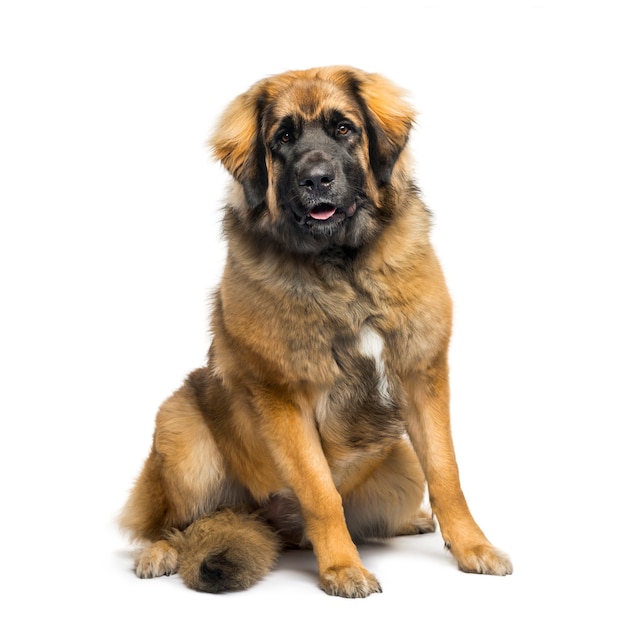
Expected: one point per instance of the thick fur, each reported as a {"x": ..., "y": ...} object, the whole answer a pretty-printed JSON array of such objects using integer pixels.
[
  {"x": 324, "y": 406},
  {"x": 225, "y": 551}
]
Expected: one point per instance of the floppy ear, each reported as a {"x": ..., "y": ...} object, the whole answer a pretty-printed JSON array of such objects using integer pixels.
[
  {"x": 236, "y": 142},
  {"x": 390, "y": 119}
]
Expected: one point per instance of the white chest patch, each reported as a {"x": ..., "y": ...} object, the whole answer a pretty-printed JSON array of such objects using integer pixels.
[{"x": 372, "y": 346}]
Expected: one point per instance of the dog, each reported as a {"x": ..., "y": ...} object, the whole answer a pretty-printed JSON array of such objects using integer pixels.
[{"x": 321, "y": 418}]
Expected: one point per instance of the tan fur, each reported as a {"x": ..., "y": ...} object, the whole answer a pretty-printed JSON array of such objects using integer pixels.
[
  {"x": 242, "y": 546},
  {"x": 273, "y": 424}
]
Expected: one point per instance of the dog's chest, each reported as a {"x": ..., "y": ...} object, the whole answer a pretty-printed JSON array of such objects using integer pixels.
[
  {"x": 363, "y": 406},
  {"x": 371, "y": 346}
]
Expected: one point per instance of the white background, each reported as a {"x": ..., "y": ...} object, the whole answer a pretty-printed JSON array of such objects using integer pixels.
[{"x": 110, "y": 248}]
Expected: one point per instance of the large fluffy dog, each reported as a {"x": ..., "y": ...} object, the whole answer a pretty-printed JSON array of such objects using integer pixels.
[{"x": 322, "y": 414}]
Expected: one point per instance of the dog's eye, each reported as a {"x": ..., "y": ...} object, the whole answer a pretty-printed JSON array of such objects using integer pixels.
[
  {"x": 343, "y": 129},
  {"x": 285, "y": 137}
]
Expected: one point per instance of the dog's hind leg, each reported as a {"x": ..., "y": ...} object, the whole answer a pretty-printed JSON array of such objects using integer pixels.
[
  {"x": 182, "y": 479},
  {"x": 389, "y": 502}
]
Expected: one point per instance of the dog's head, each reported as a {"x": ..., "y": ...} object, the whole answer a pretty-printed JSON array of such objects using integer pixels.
[{"x": 316, "y": 152}]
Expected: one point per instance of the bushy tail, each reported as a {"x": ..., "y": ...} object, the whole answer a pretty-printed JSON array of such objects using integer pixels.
[{"x": 225, "y": 551}]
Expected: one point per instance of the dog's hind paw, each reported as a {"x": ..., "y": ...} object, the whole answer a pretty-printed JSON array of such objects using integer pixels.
[
  {"x": 156, "y": 559},
  {"x": 423, "y": 523},
  {"x": 349, "y": 581}
]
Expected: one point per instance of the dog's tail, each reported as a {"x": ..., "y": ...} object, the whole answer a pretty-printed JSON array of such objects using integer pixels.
[{"x": 224, "y": 551}]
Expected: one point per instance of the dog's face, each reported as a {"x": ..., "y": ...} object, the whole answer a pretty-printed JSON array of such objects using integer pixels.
[{"x": 315, "y": 152}]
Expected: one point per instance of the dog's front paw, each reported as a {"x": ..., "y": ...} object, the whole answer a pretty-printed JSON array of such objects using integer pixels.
[
  {"x": 349, "y": 581},
  {"x": 156, "y": 559},
  {"x": 484, "y": 559}
]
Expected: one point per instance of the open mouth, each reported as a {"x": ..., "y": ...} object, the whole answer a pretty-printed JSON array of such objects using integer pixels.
[
  {"x": 328, "y": 213},
  {"x": 323, "y": 212}
]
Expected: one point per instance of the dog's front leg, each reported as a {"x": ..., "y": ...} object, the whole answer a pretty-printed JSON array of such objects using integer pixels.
[
  {"x": 293, "y": 440},
  {"x": 429, "y": 430}
]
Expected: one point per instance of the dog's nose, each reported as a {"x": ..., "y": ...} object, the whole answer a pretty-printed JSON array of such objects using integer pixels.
[{"x": 317, "y": 176}]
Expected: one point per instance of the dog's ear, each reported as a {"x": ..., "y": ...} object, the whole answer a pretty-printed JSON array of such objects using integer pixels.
[
  {"x": 390, "y": 118},
  {"x": 237, "y": 143}
]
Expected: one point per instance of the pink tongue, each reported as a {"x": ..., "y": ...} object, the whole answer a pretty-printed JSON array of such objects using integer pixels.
[{"x": 323, "y": 213}]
